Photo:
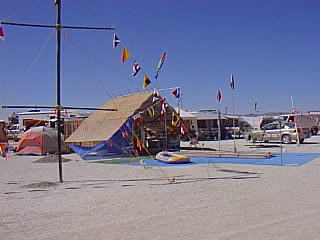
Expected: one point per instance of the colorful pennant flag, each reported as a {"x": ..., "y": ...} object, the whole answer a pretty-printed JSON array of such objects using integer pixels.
[
  {"x": 232, "y": 82},
  {"x": 164, "y": 105},
  {"x": 125, "y": 55},
  {"x": 115, "y": 41},
  {"x": 156, "y": 96},
  {"x": 135, "y": 68},
  {"x": 146, "y": 81},
  {"x": 139, "y": 145},
  {"x": 1, "y": 32},
  {"x": 161, "y": 61},
  {"x": 218, "y": 96},
  {"x": 175, "y": 119},
  {"x": 176, "y": 93},
  {"x": 125, "y": 134},
  {"x": 183, "y": 129},
  {"x": 150, "y": 111},
  {"x": 137, "y": 118}
]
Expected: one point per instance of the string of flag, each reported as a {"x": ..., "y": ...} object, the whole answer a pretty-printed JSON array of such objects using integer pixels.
[
  {"x": 126, "y": 54},
  {"x": 136, "y": 67}
]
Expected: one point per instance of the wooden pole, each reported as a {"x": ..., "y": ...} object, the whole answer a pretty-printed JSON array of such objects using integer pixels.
[{"x": 58, "y": 59}]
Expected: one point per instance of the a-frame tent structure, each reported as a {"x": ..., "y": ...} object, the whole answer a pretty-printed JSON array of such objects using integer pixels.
[{"x": 143, "y": 124}]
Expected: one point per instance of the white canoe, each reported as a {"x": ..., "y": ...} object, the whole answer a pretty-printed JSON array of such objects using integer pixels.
[{"x": 170, "y": 157}]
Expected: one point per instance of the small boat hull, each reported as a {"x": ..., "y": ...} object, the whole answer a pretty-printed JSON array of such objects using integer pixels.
[{"x": 170, "y": 157}]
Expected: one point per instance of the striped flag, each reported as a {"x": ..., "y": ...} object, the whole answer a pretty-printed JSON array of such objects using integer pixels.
[
  {"x": 135, "y": 68},
  {"x": 115, "y": 41},
  {"x": 161, "y": 61},
  {"x": 176, "y": 93},
  {"x": 232, "y": 81}
]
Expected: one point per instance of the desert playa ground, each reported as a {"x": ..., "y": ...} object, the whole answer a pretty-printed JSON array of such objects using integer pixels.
[{"x": 201, "y": 201}]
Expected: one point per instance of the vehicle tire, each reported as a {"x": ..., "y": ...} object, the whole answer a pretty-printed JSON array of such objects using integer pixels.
[
  {"x": 314, "y": 131},
  {"x": 249, "y": 138},
  {"x": 302, "y": 140},
  {"x": 286, "y": 139}
]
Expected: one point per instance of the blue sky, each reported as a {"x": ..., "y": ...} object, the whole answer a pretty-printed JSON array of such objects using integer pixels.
[{"x": 271, "y": 47}]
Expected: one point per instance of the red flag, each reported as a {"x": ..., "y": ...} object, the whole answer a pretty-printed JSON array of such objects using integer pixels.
[
  {"x": 125, "y": 134},
  {"x": 218, "y": 96},
  {"x": 1, "y": 33},
  {"x": 183, "y": 129},
  {"x": 139, "y": 145},
  {"x": 137, "y": 118}
]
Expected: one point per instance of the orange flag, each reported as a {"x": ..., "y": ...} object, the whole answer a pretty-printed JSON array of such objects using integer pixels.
[{"x": 125, "y": 55}]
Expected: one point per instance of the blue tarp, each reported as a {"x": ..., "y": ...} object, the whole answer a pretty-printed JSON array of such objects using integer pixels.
[
  {"x": 286, "y": 159},
  {"x": 119, "y": 144}
]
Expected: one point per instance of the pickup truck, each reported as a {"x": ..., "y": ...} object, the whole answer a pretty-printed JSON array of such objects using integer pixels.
[{"x": 14, "y": 132}]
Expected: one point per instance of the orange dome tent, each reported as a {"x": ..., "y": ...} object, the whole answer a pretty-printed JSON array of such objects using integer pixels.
[{"x": 39, "y": 141}]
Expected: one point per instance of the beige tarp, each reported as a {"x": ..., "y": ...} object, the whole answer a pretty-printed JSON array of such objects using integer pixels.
[{"x": 101, "y": 125}]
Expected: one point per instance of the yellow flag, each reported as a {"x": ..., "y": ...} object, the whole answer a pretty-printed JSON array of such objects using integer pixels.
[
  {"x": 150, "y": 111},
  {"x": 175, "y": 119},
  {"x": 125, "y": 55},
  {"x": 146, "y": 81}
]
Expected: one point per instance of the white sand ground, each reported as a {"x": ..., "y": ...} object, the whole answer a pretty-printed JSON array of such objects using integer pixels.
[{"x": 209, "y": 201}]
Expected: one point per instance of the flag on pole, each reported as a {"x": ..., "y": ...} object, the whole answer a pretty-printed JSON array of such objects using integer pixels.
[
  {"x": 125, "y": 55},
  {"x": 1, "y": 32},
  {"x": 176, "y": 93},
  {"x": 255, "y": 106},
  {"x": 232, "y": 82},
  {"x": 161, "y": 61},
  {"x": 146, "y": 81},
  {"x": 218, "y": 96},
  {"x": 135, "y": 68},
  {"x": 115, "y": 41}
]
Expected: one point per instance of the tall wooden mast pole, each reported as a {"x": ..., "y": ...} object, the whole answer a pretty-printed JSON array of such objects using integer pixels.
[
  {"x": 58, "y": 29},
  {"x": 58, "y": 106}
]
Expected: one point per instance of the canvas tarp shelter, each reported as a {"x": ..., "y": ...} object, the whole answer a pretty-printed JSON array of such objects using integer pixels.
[
  {"x": 94, "y": 132},
  {"x": 111, "y": 132},
  {"x": 39, "y": 141}
]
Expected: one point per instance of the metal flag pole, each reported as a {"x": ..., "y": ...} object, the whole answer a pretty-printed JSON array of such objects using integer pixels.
[
  {"x": 219, "y": 117},
  {"x": 232, "y": 85}
]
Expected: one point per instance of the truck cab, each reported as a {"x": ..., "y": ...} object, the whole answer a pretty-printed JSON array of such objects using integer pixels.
[{"x": 302, "y": 121}]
